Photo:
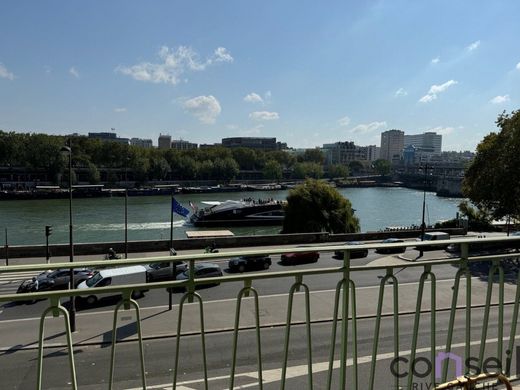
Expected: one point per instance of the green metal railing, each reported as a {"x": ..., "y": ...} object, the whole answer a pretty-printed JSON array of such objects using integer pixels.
[{"x": 344, "y": 302}]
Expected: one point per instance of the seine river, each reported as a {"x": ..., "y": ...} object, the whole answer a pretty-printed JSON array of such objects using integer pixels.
[{"x": 102, "y": 219}]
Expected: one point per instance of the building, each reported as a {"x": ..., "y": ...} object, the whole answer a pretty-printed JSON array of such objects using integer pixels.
[
  {"x": 183, "y": 145},
  {"x": 143, "y": 143},
  {"x": 345, "y": 152},
  {"x": 263, "y": 143},
  {"x": 109, "y": 137},
  {"x": 165, "y": 141},
  {"x": 428, "y": 142},
  {"x": 392, "y": 144}
]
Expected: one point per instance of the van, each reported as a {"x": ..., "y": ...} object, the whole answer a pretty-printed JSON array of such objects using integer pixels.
[
  {"x": 135, "y": 274},
  {"x": 433, "y": 236}
]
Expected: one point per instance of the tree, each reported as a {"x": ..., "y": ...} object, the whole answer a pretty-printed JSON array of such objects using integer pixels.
[
  {"x": 356, "y": 167},
  {"x": 491, "y": 181},
  {"x": 272, "y": 170},
  {"x": 382, "y": 167},
  {"x": 307, "y": 169},
  {"x": 313, "y": 155},
  {"x": 338, "y": 170},
  {"x": 93, "y": 174},
  {"x": 316, "y": 207}
]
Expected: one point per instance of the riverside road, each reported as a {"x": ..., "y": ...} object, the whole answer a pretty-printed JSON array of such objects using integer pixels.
[{"x": 19, "y": 324}]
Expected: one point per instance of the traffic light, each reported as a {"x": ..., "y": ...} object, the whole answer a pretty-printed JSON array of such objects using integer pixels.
[{"x": 48, "y": 230}]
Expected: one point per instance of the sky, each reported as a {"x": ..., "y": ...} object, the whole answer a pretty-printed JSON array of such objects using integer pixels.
[{"x": 305, "y": 72}]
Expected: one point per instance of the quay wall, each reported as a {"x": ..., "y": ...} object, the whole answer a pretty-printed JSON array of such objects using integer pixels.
[{"x": 101, "y": 248}]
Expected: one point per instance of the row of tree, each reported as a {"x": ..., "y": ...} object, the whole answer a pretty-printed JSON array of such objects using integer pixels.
[{"x": 41, "y": 151}]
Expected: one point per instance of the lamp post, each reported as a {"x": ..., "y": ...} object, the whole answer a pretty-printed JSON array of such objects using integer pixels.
[
  {"x": 67, "y": 151},
  {"x": 126, "y": 206}
]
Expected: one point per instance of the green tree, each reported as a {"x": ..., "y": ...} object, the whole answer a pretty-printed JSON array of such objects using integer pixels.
[
  {"x": 316, "y": 207},
  {"x": 272, "y": 170},
  {"x": 159, "y": 168},
  {"x": 491, "y": 181},
  {"x": 337, "y": 171},
  {"x": 312, "y": 155},
  {"x": 382, "y": 167},
  {"x": 93, "y": 174},
  {"x": 356, "y": 167},
  {"x": 307, "y": 170},
  {"x": 224, "y": 169}
]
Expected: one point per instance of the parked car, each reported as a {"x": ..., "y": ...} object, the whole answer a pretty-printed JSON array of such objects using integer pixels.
[
  {"x": 433, "y": 236},
  {"x": 299, "y": 258},
  {"x": 391, "y": 250},
  {"x": 203, "y": 270},
  {"x": 135, "y": 274},
  {"x": 54, "y": 280},
  {"x": 354, "y": 253},
  {"x": 246, "y": 263},
  {"x": 156, "y": 272}
]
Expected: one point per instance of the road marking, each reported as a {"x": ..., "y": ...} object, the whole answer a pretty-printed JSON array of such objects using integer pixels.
[
  {"x": 275, "y": 375},
  {"x": 229, "y": 300}
]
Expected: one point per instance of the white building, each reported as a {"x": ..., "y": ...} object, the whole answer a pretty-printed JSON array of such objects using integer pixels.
[
  {"x": 165, "y": 141},
  {"x": 392, "y": 145},
  {"x": 428, "y": 142}
]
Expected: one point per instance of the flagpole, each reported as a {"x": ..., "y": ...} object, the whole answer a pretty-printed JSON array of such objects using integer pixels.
[{"x": 172, "y": 274}]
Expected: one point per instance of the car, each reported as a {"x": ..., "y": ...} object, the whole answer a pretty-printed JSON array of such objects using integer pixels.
[
  {"x": 156, "y": 272},
  {"x": 203, "y": 270},
  {"x": 432, "y": 236},
  {"x": 55, "y": 280},
  {"x": 245, "y": 263},
  {"x": 387, "y": 250},
  {"x": 299, "y": 258},
  {"x": 354, "y": 253}
]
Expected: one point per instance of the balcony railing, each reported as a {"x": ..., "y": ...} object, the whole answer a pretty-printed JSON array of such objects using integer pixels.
[{"x": 346, "y": 305}]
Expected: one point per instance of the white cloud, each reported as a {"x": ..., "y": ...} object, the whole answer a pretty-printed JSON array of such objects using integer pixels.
[
  {"x": 264, "y": 116},
  {"x": 344, "y": 121},
  {"x": 364, "y": 128},
  {"x": 436, "y": 60},
  {"x": 253, "y": 98},
  {"x": 256, "y": 130},
  {"x": 500, "y": 99},
  {"x": 442, "y": 130},
  {"x": 120, "y": 109},
  {"x": 73, "y": 71},
  {"x": 267, "y": 96},
  {"x": 173, "y": 64},
  {"x": 435, "y": 90},
  {"x": 518, "y": 66},
  {"x": 4, "y": 73},
  {"x": 222, "y": 55},
  {"x": 473, "y": 46},
  {"x": 204, "y": 108},
  {"x": 400, "y": 92}
]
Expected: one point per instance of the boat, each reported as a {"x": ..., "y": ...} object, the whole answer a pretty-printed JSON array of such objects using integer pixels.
[{"x": 245, "y": 212}]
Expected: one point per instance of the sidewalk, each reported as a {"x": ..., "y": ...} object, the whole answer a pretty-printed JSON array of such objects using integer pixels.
[{"x": 157, "y": 322}]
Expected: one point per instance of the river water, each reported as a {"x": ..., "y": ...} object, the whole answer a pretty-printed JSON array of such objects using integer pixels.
[{"x": 102, "y": 219}]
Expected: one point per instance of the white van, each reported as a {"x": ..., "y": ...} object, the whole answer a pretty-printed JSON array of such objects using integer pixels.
[
  {"x": 434, "y": 236},
  {"x": 135, "y": 274}
]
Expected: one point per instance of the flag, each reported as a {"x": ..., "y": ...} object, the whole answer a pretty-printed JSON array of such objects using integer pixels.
[{"x": 179, "y": 209}]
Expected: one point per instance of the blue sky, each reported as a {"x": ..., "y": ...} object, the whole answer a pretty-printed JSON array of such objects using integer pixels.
[{"x": 306, "y": 72}]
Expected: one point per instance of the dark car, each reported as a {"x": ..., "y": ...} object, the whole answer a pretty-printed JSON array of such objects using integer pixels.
[
  {"x": 54, "y": 280},
  {"x": 156, "y": 272},
  {"x": 203, "y": 270},
  {"x": 246, "y": 263},
  {"x": 391, "y": 250},
  {"x": 354, "y": 253},
  {"x": 299, "y": 258}
]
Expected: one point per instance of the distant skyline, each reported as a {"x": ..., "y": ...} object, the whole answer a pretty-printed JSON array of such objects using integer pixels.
[{"x": 307, "y": 73}]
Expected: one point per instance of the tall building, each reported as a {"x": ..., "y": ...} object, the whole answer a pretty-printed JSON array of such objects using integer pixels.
[
  {"x": 180, "y": 144},
  {"x": 251, "y": 142},
  {"x": 428, "y": 142},
  {"x": 392, "y": 144},
  {"x": 165, "y": 141},
  {"x": 143, "y": 143}
]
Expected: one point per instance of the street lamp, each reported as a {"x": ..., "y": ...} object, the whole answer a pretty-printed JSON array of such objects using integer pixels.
[{"x": 67, "y": 151}]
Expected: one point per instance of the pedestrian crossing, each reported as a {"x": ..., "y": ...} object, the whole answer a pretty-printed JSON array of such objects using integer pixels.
[{"x": 10, "y": 281}]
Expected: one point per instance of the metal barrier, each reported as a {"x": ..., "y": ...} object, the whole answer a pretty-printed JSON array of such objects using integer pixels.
[{"x": 344, "y": 301}]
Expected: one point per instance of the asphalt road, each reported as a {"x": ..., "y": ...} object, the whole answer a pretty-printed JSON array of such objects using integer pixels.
[
  {"x": 92, "y": 362},
  {"x": 264, "y": 287}
]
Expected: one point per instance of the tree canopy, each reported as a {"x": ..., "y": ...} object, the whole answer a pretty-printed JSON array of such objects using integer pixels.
[
  {"x": 317, "y": 207},
  {"x": 491, "y": 181}
]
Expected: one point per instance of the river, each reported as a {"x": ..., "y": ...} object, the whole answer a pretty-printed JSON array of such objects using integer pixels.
[{"x": 102, "y": 219}]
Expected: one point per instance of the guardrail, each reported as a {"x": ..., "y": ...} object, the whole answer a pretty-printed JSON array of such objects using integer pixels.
[{"x": 344, "y": 303}]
